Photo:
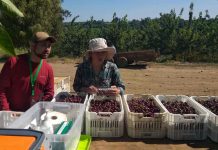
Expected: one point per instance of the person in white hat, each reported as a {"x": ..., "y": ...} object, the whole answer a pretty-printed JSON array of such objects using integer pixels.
[
  {"x": 97, "y": 73},
  {"x": 27, "y": 78}
]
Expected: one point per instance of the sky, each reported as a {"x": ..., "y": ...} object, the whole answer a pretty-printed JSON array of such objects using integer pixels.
[{"x": 135, "y": 9}]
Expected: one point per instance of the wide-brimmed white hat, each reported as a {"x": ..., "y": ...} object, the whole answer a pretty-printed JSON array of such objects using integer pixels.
[{"x": 100, "y": 45}]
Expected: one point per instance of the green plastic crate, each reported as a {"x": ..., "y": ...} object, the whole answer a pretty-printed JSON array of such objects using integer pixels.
[{"x": 84, "y": 142}]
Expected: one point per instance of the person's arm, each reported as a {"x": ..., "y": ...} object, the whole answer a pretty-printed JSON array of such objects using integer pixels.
[
  {"x": 49, "y": 88},
  {"x": 5, "y": 82},
  {"x": 116, "y": 80}
]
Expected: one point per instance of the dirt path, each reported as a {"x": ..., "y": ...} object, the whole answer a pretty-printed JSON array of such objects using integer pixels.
[{"x": 187, "y": 79}]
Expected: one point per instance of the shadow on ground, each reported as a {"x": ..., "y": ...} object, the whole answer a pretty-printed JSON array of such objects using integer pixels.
[
  {"x": 206, "y": 144},
  {"x": 131, "y": 66},
  {"x": 137, "y": 66}
]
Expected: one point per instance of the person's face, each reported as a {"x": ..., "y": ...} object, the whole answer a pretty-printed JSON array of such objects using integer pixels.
[
  {"x": 42, "y": 49},
  {"x": 99, "y": 56}
]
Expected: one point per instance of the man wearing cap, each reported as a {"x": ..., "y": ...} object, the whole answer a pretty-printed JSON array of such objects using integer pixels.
[
  {"x": 28, "y": 78},
  {"x": 97, "y": 73}
]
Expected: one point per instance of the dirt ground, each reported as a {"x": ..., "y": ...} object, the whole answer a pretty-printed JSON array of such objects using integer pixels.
[{"x": 175, "y": 78}]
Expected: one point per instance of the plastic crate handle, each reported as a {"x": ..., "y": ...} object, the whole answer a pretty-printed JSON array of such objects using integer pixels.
[
  {"x": 160, "y": 115},
  {"x": 104, "y": 114},
  {"x": 191, "y": 117},
  {"x": 16, "y": 114}
]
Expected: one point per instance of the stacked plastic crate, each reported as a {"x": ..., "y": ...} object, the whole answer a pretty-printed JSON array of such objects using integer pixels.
[
  {"x": 66, "y": 84},
  {"x": 213, "y": 117},
  {"x": 140, "y": 126},
  {"x": 185, "y": 126},
  {"x": 105, "y": 124},
  {"x": 61, "y": 84}
]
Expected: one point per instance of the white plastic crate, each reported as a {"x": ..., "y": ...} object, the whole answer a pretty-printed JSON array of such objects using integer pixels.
[
  {"x": 8, "y": 117},
  {"x": 139, "y": 126},
  {"x": 61, "y": 84},
  {"x": 105, "y": 124},
  {"x": 212, "y": 119},
  {"x": 74, "y": 112},
  {"x": 66, "y": 84},
  {"x": 186, "y": 126}
]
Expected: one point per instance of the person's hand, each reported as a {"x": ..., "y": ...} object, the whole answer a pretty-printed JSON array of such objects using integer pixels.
[
  {"x": 113, "y": 91},
  {"x": 91, "y": 89}
]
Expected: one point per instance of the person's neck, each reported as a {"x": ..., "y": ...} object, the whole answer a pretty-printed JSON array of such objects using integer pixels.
[
  {"x": 34, "y": 58},
  {"x": 96, "y": 66}
]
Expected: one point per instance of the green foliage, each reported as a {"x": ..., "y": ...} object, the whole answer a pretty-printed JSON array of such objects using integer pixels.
[
  {"x": 7, "y": 8},
  {"x": 195, "y": 39},
  {"x": 6, "y": 45},
  {"x": 176, "y": 38},
  {"x": 40, "y": 15}
]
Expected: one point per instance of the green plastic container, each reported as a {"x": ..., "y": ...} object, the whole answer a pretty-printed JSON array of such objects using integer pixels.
[{"x": 84, "y": 142}]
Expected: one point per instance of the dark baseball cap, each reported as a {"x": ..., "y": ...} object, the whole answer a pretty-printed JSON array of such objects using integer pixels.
[{"x": 42, "y": 36}]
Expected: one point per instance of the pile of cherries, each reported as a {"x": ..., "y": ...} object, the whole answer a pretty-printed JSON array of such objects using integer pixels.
[
  {"x": 106, "y": 105},
  {"x": 146, "y": 106},
  {"x": 178, "y": 107},
  {"x": 211, "y": 104}
]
